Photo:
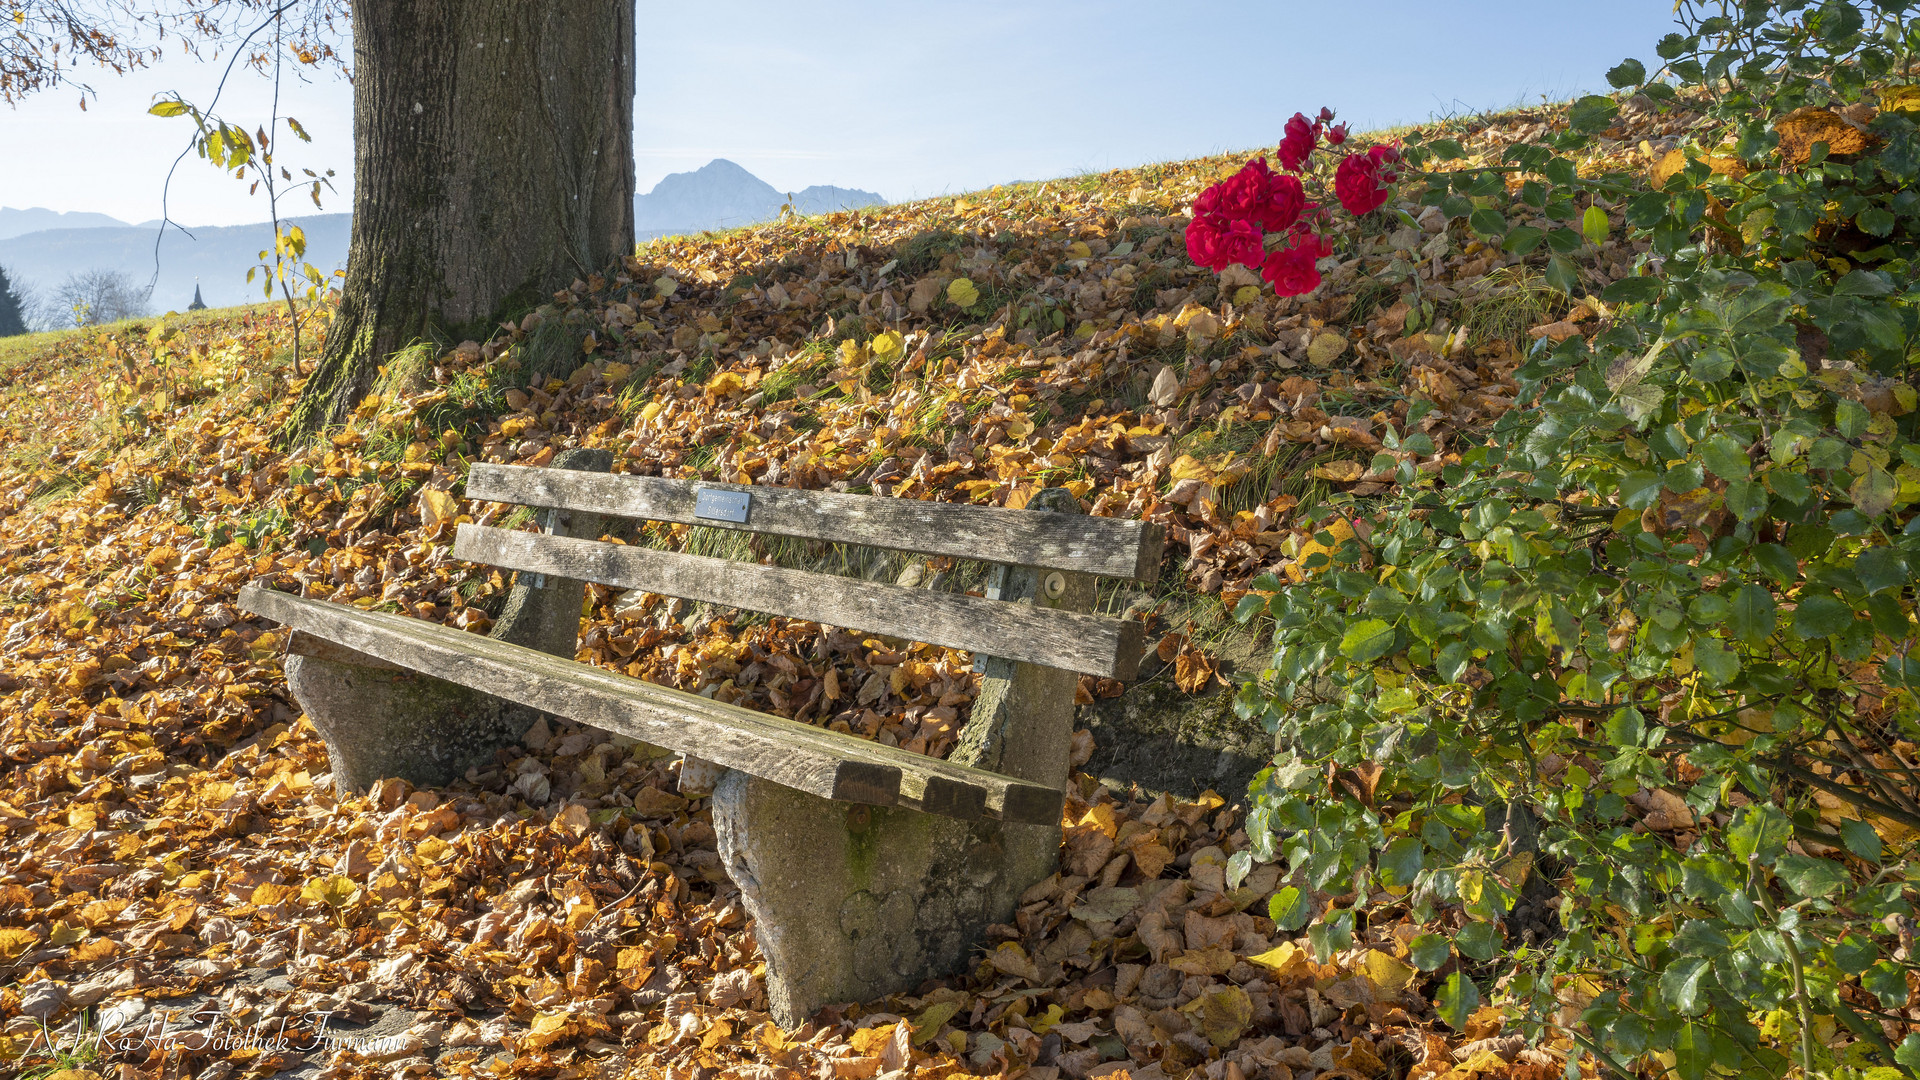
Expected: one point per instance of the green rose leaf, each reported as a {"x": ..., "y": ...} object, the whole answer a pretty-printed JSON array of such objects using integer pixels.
[
  {"x": 1850, "y": 418},
  {"x": 1626, "y": 73},
  {"x": 1875, "y": 221},
  {"x": 1698, "y": 937},
  {"x": 1429, "y": 951},
  {"x": 1861, "y": 840},
  {"x": 1874, "y": 493},
  {"x": 1717, "y": 662},
  {"x": 1401, "y": 862},
  {"x": 1727, "y": 459},
  {"x": 1523, "y": 239},
  {"x": 1593, "y": 225},
  {"x": 1778, "y": 563},
  {"x": 1908, "y": 1053},
  {"x": 1457, "y": 1001},
  {"x": 1592, "y": 113},
  {"x": 1887, "y": 981},
  {"x": 1855, "y": 953},
  {"x": 1754, "y": 614},
  {"x": 1487, "y": 222},
  {"x": 1808, "y": 876},
  {"x": 1880, "y": 569},
  {"x": 1821, "y": 615},
  {"x": 1289, "y": 909},
  {"x": 1478, "y": 940},
  {"x": 1367, "y": 640},
  {"x": 1680, "y": 984}
]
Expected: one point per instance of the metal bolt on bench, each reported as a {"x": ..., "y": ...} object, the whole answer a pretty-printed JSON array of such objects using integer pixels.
[{"x": 867, "y": 868}]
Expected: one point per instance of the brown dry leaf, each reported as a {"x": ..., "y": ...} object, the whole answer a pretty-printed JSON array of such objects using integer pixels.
[
  {"x": 1340, "y": 472},
  {"x": 1802, "y": 128},
  {"x": 1221, "y": 1013},
  {"x": 1193, "y": 670}
]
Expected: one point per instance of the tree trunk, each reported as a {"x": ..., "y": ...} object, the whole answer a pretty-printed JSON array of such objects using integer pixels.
[{"x": 493, "y": 164}]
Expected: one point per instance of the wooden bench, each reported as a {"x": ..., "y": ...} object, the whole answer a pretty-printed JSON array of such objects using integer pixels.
[{"x": 866, "y": 868}]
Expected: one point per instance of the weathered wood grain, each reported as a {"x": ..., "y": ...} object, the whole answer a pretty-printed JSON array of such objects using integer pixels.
[
  {"x": 301, "y": 643},
  {"x": 1069, "y": 640},
  {"x": 1108, "y": 547},
  {"x": 824, "y": 763}
]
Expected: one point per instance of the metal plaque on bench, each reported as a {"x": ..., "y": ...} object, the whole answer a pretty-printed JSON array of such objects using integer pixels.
[{"x": 721, "y": 505}]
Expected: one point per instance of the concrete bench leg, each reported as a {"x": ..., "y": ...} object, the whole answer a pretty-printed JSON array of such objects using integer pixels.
[
  {"x": 854, "y": 902},
  {"x": 379, "y": 720}
]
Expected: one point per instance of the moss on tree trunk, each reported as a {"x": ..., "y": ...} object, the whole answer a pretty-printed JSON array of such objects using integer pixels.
[{"x": 493, "y": 164}]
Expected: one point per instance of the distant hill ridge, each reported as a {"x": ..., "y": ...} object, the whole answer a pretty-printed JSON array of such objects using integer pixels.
[
  {"x": 42, "y": 247},
  {"x": 722, "y": 195},
  {"x": 35, "y": 218}
]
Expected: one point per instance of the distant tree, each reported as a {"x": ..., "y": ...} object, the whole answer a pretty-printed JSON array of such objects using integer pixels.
[
  {"x": 95, "y": 297},
  {"x": 13, "y": 306}
]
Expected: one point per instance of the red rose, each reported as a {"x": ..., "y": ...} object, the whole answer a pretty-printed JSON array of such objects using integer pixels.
[
  {"x": 1360, "y": 181},
  {"x": 1336, "y": 134},
  {"x": 1243, "y": 243},
  {"x": 1290, "y": 270},
  {"x": 1298, "y": 143},
  {"x": 1243, "y": 195},
  {"x": 1286, "y": 199},
  {"x": 1326, "y": 114},
  {"x": 1203, "y": 241},
  {"x": 1217, "y": 242}
]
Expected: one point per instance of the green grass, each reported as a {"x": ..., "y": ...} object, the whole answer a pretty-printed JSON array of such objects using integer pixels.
[
  {"x": 1519, "y": 300},
  {"x": 21, "y": 347}
]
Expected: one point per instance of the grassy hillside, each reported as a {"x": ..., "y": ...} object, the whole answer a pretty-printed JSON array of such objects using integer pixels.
[{"x": 974, "y": 349}]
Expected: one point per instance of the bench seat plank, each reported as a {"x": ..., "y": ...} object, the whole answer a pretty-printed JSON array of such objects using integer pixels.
[
  {"x": 826, "y": 763},
  {"x": 1070, "y": 640},
  {"x": 1107, "y": 547}
]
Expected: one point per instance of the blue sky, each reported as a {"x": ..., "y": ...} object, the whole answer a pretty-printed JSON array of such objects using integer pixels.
[{"x": 911, "y": 98}]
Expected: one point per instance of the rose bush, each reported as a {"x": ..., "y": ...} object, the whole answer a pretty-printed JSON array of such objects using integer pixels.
[
  {"x": 1234, "y": 220},
  {"x": 1647, "y": 658}
]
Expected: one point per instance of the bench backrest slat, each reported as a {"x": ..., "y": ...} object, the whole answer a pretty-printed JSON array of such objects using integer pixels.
[
  {"x": 1076, "y": 642},
  {"x": 1108, "y": 547}
]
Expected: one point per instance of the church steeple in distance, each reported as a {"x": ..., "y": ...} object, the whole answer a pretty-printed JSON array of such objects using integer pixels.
[{"x": 198, "y": 304}]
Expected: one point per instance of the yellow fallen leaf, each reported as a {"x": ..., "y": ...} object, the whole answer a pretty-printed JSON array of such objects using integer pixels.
[
  {"x": 1340, "y": 472},
  {"x": 962, "y": 293},
  {"x": 335, "y": 890},
  {"x": 1221, "y": 1014},
  {"x": 727, "y": 382},
  {"x": 1387, "y": 973},
  {"x": 62, "y": 934},
  {"x": 929, "y": 1022},
  {"x": 1214, "y": 960},
  {"x": 1187, "y": 468},
  {"x": 1326, "y": 348},
  {"x": 437, "y": 506},
  {"x": 1079, "y": 250},
  {"x": 14, "y": 941},
  {"x": 1284, "y": 959},
  {"x": 888, "y": 345}
]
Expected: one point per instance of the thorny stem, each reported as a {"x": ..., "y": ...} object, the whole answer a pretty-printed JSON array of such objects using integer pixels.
[{"x": 1793, "y": 960}]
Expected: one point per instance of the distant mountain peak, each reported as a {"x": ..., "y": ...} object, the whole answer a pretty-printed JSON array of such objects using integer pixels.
[{"x": 722, "y": 195}]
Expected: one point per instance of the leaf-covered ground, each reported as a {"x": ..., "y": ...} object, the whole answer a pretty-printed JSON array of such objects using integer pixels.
[{"x": 167, "y": 825}]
